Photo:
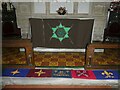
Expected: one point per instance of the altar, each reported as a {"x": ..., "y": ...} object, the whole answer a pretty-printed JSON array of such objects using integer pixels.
[{"x": 61, "y": 32}]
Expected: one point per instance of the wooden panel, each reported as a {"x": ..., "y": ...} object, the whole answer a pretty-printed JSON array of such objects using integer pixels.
[
  {"x": 20, "y": 43},
  {"x": 90, "y": 52}
]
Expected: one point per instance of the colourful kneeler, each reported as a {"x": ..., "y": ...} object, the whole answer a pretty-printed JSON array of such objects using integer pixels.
[
  {"x": 83, "y": 74},
  {"x": 14, "y": 72},
  {"x": 40, "y": 73},
  {"x": 106, "y": 74},
  {"x": 61, "y": 73},
  {"x": 57, "y": 73}
]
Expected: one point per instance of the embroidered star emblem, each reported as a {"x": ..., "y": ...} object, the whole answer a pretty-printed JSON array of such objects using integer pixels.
[
  {"x": 15, "y": 72},
  {"x": 40, "y": 72},
  {"x": 60, "y": 32}
]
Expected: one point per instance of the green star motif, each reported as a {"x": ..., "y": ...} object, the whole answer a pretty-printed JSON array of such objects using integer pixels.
[{"x": 60, "y": 32}]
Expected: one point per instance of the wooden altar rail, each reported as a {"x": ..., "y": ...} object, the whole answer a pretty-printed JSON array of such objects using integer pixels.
[
  {"x": 21, "y": 43},
  {"x": 98, "y": 45},
  {"x": 27, "y": 44}
]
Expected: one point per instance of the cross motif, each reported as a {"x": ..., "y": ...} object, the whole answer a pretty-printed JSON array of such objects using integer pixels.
[
  {"x": 15, "y": 72},
  {"x": 40, "y": 72},
  {"x": 80, "y": 73}
]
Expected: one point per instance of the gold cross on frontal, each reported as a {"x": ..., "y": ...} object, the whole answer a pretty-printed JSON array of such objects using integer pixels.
[
  {"x": 40, "y": 72},
  {"x": 15, "y": 72}
]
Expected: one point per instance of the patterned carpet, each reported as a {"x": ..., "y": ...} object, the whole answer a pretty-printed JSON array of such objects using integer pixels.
[
  {"x": 108, "y": 57},
  {"x": 14, "y": 56},
  {"x": 59, "y": 59}
]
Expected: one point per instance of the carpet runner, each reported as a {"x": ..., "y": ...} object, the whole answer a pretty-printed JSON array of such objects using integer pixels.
[{"x": 61, "y": 73}]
